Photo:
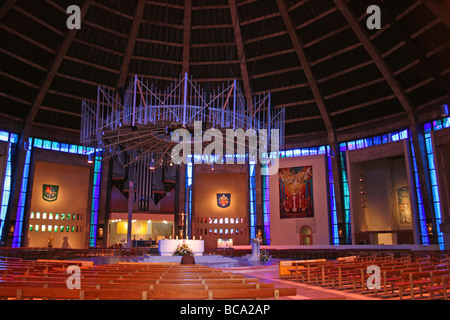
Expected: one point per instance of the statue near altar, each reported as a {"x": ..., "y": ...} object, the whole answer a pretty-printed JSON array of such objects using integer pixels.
[{"x": 256, "y": 246}]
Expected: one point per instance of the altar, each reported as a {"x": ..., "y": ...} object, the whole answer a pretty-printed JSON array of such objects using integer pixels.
[{"x": 166, "y": 247}]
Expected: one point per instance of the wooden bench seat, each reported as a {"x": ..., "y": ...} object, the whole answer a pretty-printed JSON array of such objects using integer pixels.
[
  {"x": 151, "y": 274},
  {"x": 156, "y": 282},
  {"x": 153, "y": 269},
  {"x": 87, "y": 275},
  {"x": 417, "y": 279},
  {"x": 141, "y": 286},
  {"x": 21, "y": 293},
  {"x": 394, "y": 273},
  {"x": 439, "y": 283},
  {"x": 356, "y": 273},
  {"x": 133, "y": 280}
]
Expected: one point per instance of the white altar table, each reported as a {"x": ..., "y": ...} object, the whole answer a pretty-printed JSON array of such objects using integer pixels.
[{"x": 166, "y": 247}]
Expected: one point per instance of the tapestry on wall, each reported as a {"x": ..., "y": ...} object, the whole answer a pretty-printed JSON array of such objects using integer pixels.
[
  {"x": 296, "y": 192},
  {"x": 404, "y": 205}
]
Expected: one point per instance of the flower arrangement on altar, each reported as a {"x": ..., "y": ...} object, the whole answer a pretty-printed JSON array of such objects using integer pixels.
[
  {"x": 182, "y": 249},
  {"x": 264, "y": 256}
]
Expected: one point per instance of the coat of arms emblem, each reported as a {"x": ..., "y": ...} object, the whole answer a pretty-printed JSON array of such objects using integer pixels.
[
  {"x": 223, "y": 200},
  {"x": 50, "y": 192}
]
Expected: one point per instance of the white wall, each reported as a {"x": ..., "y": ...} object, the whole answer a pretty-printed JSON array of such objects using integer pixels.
[{"x": 286, "y": 231}]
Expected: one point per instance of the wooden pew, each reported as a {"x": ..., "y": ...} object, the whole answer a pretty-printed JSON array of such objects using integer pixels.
[
  {"x": 417, "y": 279},
  {"x": 118, "y": 282},
  {"x": 20, "y": 293},
  {"x": 141, "y": 286},
  {"x": 26, "y": 292},
  {"x": 439, "y": 283},
  {"x": 137, "y": 280},
  {"x": 331, "y": 272},
  {"x": 133, "y": 280}
]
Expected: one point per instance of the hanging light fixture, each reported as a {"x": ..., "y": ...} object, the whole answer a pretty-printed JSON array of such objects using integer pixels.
[{"x": 140, "y": 123}]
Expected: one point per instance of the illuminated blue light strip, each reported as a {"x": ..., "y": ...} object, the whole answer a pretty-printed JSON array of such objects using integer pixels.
[
  {"x": 332, "y": 198},
  {"x": 189, "y": 174},
  {"x": 6, "y": 183},
  {"x": 420, "y": 208},
  {"x": 434, "y": 126},
  {"x": 434, "y": 189},
  {"x": 345, "y": 194},
  {"x": 266, "y": 207},
  {"x": 18, "y": 228},
  {"x": 95, "y": 200},
  {"x": 61, "y": 147},
  {"x": 252, "y": 184},
  {"x": 188, "y": 200}
]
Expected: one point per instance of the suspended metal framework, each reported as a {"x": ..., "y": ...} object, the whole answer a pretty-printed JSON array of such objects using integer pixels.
[{"x": 135, "y": 125}]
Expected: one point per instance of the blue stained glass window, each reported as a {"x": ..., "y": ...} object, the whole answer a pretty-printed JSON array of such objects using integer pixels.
[
  {"x": 55, "y": 146},
  {"x": 13, "y": 137},
  {"x": 266, "y": 207},
  {"x": 351, "y": 145},
  {"x": 422, "y": 219},
  {"x": 377, "y": 140},
  {"x": 437, "y": 125},
  {"x": 95, "y": 198},
  {"x": 73, "y": 148},
  {"x": 37, "y": 143},
  {"x": 6, "y": 187},
  {"x": 404, "y": 134},
  {"x": 428, "y": 127},
  {"x": 4, "y": 136},
  {"x": 446, "y": 122},
  {"x": 332, "y": 202},
  {"x": 395, "y": 137},
  {"x": 431, "y": 161},
  {"x": 17, "y": 237},
  {"x": 252, "y": 189},
  {"x": 359, "y": 144},
  {"x": 46, "y": 144}
]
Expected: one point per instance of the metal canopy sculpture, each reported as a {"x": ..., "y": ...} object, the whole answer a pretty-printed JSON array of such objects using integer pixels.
[{"x": 137, "y": 123}]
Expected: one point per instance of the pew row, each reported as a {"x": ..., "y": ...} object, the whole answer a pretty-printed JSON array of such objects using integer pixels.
[{"x": 26, "y": 292}]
